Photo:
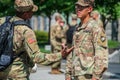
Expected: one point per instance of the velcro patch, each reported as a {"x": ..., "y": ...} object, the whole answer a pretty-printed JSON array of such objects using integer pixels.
[{"x": 103, "y": 38}]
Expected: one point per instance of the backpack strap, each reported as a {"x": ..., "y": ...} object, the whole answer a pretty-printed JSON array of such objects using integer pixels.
[
  {"x": 8, "y": 18},
  {"x": 21, "y": 22}
]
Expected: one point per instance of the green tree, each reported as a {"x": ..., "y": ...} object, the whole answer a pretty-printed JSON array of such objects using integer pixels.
[
  {"x": 48, "y": 7},
  {"x": 109, "y": 9},
  {"x": 6, "y": 7}
]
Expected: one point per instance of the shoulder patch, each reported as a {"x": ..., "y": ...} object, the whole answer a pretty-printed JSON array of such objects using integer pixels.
[
  {"x": 31, "y": 40},
  {"x": 102, "y": 40}
]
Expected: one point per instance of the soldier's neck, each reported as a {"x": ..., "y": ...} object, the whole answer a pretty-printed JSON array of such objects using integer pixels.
[{"x": 85, "y": 19}]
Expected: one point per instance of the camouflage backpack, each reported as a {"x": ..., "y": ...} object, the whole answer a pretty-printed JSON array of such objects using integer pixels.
[{"x": 6, "y": 42}]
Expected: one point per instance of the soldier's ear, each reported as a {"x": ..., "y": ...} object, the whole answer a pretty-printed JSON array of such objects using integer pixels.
[{"x": 90, "y": 8}]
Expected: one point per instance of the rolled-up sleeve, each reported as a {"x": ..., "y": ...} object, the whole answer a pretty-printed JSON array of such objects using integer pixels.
[{"x": 33, "y": 50}]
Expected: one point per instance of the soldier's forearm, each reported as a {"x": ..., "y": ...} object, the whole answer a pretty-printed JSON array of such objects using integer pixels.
[{"x": 54, "y": 57}]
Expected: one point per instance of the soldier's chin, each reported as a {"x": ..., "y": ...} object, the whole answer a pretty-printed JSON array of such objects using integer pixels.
[{"x": 79, "y": 16}]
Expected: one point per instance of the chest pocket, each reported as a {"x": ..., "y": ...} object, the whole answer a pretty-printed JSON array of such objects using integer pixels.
[
  {"x": 87, "y": 39},
  {"x": 83, "y": 40},
  {"x": 83, "y": 36},
  {"x": 87, "y": 34}
]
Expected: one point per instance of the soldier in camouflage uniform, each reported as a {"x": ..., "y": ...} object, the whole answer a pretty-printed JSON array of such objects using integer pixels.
[
  {"x": 57, "y": 38},
  {"x": 96, "y": 16},
  {"x": 24, "y": 41},
  {"x": 70, "y": 30},
  {"x": 89, "y": 59}
]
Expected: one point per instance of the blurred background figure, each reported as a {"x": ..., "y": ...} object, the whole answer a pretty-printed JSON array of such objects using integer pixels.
[
  {"x": 57, "y": 39},
  {"x": 96, "y": 16},
  {"x": 70, "y": 29}
]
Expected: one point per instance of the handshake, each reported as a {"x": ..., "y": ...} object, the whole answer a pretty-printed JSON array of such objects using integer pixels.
[{"x": 65, "y": 50}]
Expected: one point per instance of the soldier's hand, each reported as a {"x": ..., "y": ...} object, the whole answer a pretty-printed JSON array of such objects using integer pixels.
[
  {"x": 63, "y": 46},
  {"x": 70, "y": 49},
  {"x": 65, "y": 51}
]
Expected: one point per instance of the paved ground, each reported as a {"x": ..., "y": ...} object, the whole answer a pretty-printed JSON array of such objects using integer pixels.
[{"x": 42, "y": 73}]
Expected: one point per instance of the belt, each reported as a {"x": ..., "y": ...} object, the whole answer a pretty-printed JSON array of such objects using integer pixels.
[
  {"x": 88, "y": 54},
  {"x": 88, "y": 76}
]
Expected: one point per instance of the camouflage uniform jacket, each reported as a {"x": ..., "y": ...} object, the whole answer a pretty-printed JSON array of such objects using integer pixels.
[
  {"x": 90, "y": 55},
  {"x": 100, "y": 23},
  {"x": 57, "y": 36},
  {"x": 25, "y": 42}
]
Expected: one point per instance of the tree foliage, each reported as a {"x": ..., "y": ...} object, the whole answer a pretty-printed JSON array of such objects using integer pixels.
[
  {"x": 107, "y": 8},
  {"x": 6, "y": 7}
]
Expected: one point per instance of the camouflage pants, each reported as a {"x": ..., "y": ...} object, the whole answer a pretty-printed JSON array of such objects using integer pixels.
[
  {"x": 12, "y": 73},
  {"x": 56, "y": 64},
  {"x": 4, "y": 77}
]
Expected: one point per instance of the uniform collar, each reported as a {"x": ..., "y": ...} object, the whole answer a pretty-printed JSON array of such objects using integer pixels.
[{"x": 84, "y": 25}]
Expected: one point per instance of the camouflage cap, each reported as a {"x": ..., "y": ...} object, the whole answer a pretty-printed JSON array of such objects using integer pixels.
[
  {"x": 58, "y": 16},
  {"x": 85, "y": 2},
  {"x": 25, "y": 5}
]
